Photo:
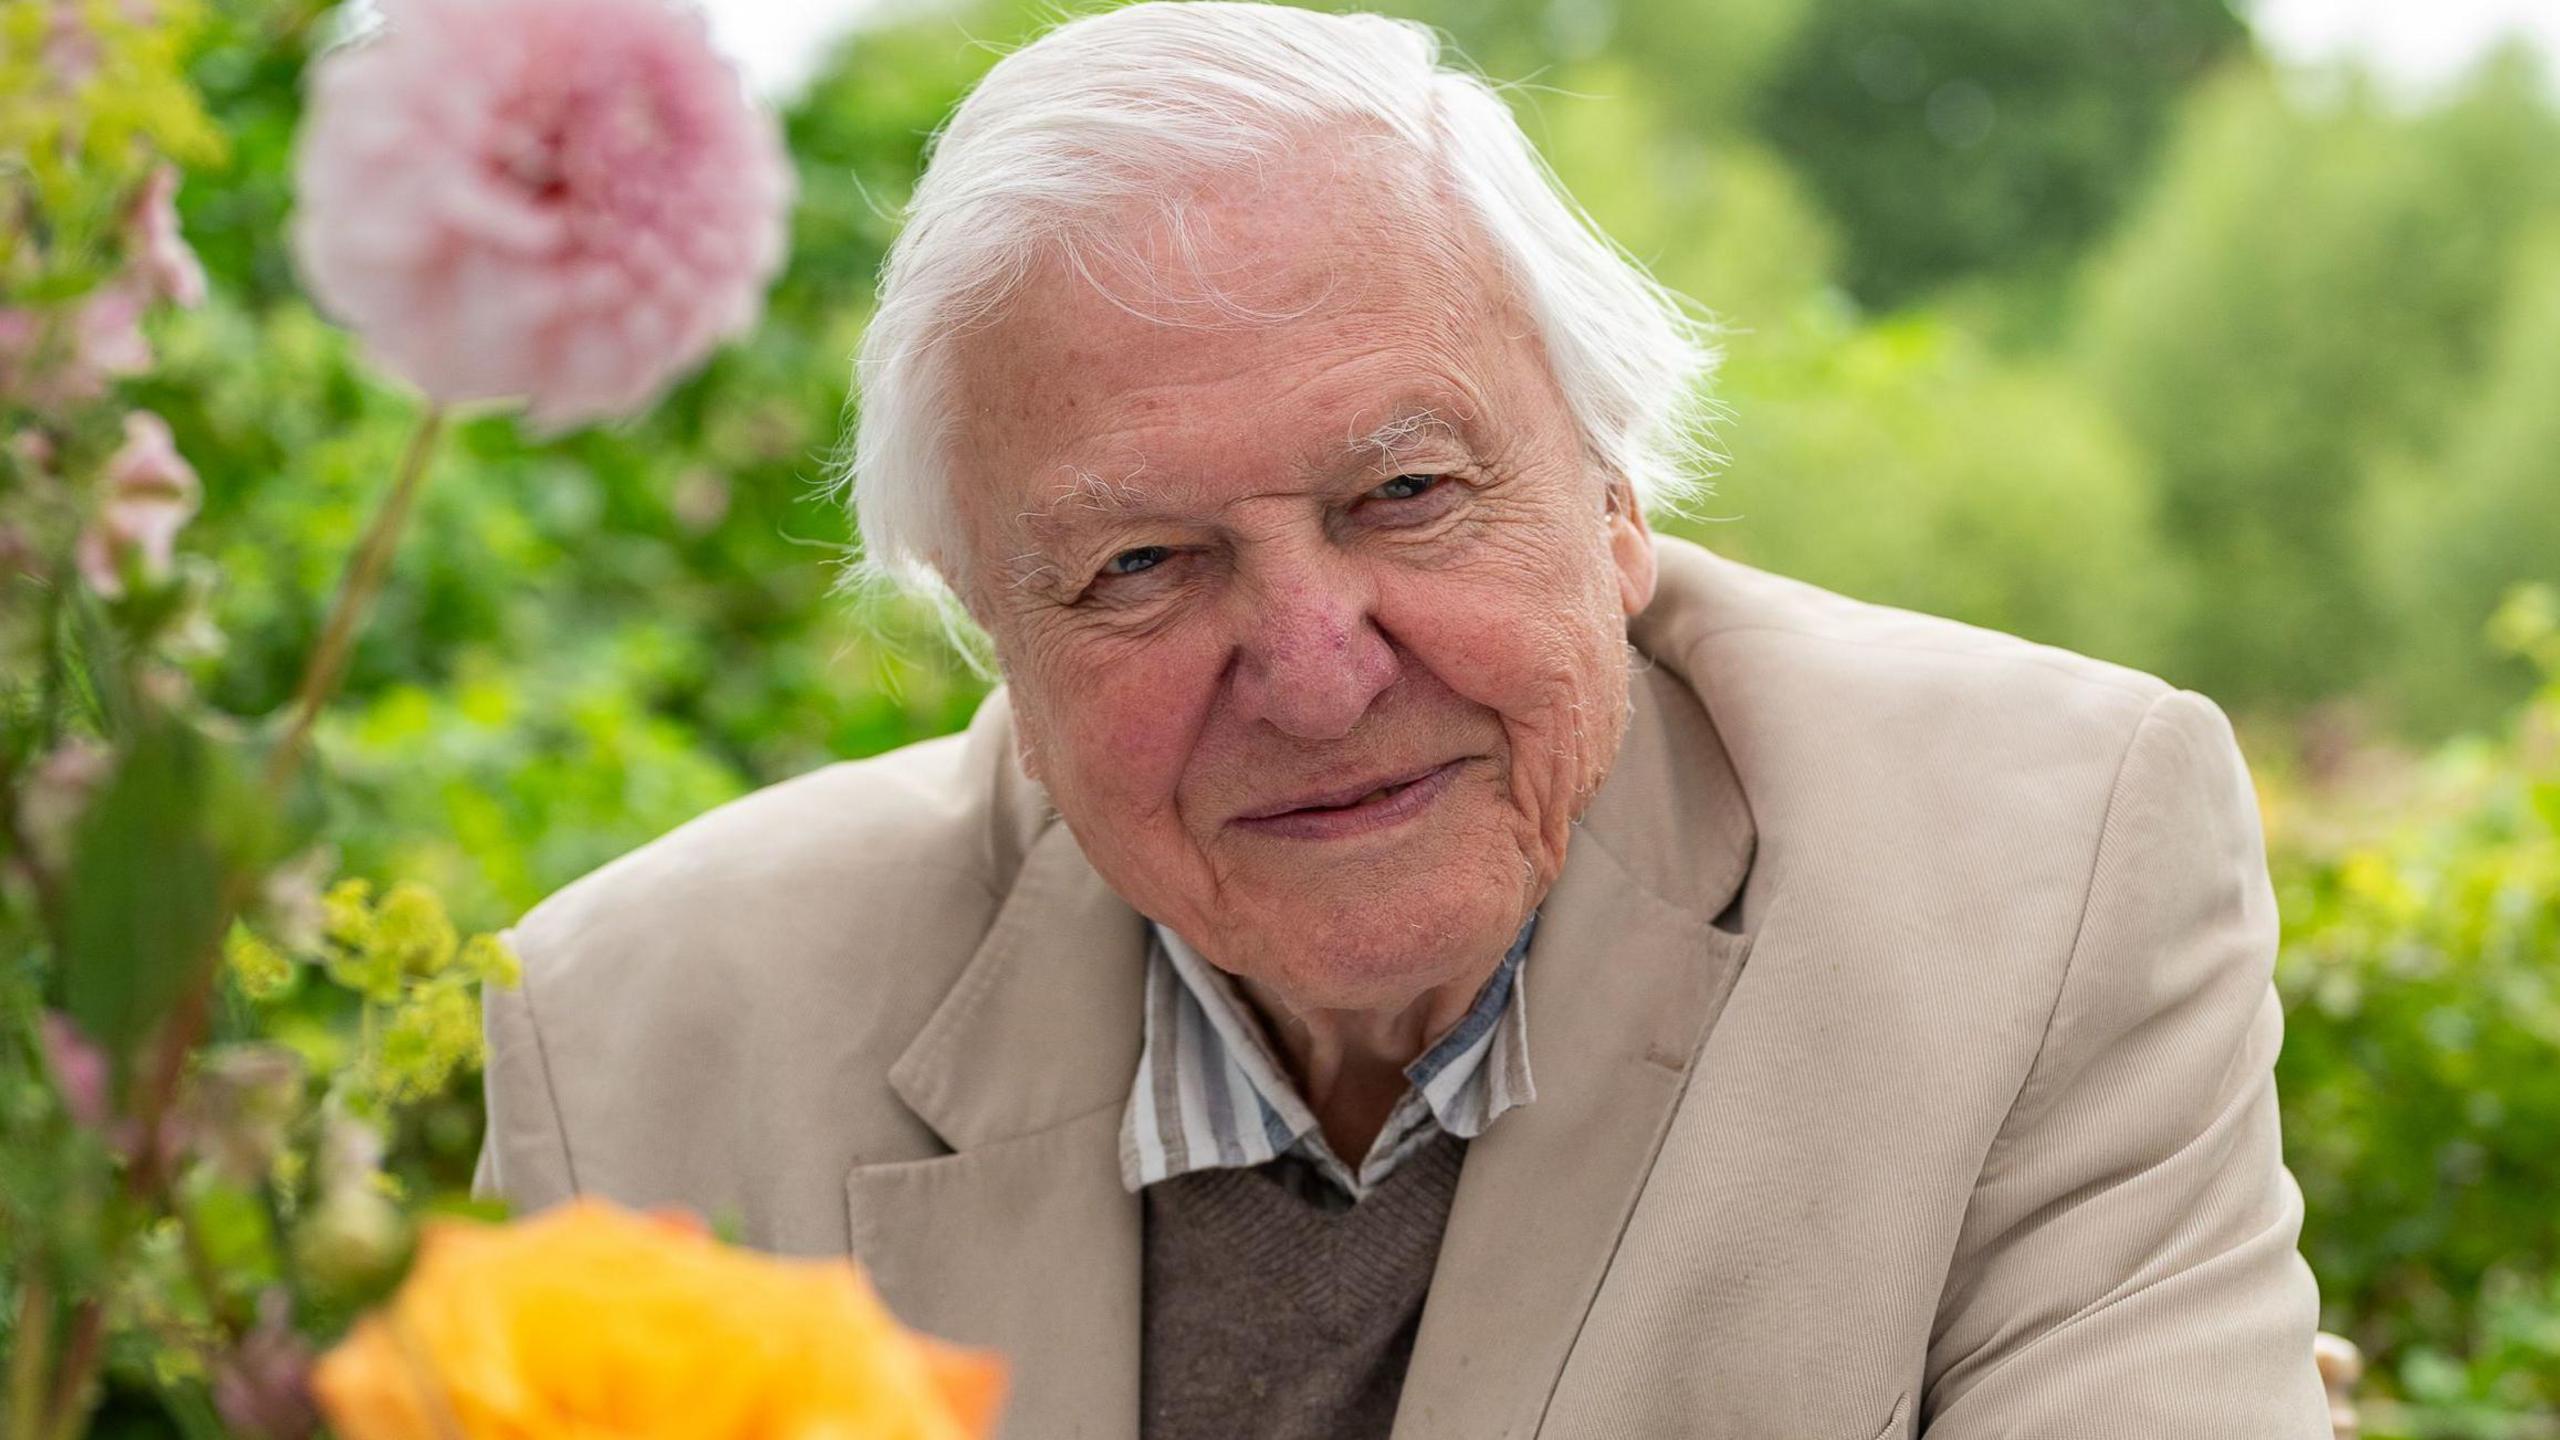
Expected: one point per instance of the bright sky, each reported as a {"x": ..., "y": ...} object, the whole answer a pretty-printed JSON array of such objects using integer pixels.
[{"x": 2420, "y": 43}]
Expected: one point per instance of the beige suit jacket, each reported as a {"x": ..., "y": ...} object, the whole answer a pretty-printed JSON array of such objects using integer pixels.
[{"x": 1902, "y": 1025}]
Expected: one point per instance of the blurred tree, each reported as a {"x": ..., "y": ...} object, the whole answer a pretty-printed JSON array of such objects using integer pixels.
[
  {"x": 1904, "y": 463},
  {"x": 2310, "y": 288},
  {"x": 2446, "y": 537},
  {"x": 1949, "y": 136},
  {"x": 1718, "y": 218},
  {"x": 1706, "y": 62}
]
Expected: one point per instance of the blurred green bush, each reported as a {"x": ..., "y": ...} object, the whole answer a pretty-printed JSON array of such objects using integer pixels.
[{"x": 2422, "y": 920}]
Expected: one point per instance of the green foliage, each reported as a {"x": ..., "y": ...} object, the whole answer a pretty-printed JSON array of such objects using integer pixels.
[
  {"x": 1947, "y": 136},
  {"x": 181, "y": 1196},
  {"x": 142, "y": 903},
  {"x": 81, "y": 117},
  {"x": 2305, "y": 301},
  {"x": 1716, "y": 217},
  {"x": 1904, "y": 463},
  {"x": 2444, "y": 535},
  {"x": 2420, "y": 1094}
]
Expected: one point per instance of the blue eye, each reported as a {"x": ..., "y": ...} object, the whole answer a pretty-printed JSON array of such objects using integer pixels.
[
  {"x": 1130, "y": 562},
  {"x": 1405, "y": 487}
]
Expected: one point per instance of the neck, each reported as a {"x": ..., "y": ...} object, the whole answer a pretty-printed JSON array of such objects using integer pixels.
[{"x": 1349, "y": 1064}]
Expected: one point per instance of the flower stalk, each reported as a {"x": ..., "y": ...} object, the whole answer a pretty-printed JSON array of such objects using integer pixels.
[{"x": 328, "y": 662}]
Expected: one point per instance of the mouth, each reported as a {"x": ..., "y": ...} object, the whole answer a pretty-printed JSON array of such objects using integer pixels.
[{"x": 1356, "y": 809}]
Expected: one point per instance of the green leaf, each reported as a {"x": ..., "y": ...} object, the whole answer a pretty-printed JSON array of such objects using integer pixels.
[{"x": 145, "y": 886}]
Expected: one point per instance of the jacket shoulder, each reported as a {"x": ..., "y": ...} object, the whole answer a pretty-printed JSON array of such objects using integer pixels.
[
  {"x": 1804, "y": 678},
  {"x": 1960, "y": 775},
  {"x": 766, "y": 960},
  {"x": 1733, "y": 604}
]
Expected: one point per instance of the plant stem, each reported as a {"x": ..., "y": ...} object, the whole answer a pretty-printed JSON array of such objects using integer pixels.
[
  {"x": 69, "y": 1410},
  {"x": 372, "y": 561},
  {"x": 26, "y": 1368}
]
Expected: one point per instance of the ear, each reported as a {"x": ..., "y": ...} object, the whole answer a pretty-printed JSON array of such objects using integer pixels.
[{"x": 1630, "y": 548}]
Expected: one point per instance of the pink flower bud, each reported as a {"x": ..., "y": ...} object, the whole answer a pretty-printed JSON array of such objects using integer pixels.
[
  {"x": 262, "y": 1387},
  {"x": 149, "y": 494},
  {"x": 83, "y": 1077},
  {"x": 244, "y": 1099},
  {"x": 107, "y": 335},
  {"x": 65, "y": 355},
  {"x": 57, "y": 791},
  {"x": 31, "y": 447},
  {"x": 80, "y": 1071},
  {"x": 158, "y": 250},
  {"x": 70, "y": 47}
]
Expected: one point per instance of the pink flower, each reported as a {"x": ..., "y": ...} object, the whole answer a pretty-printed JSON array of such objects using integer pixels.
[
  {"x": 149, "y": 494},
  {"x": 64, "y": 356},
  {"x": 106, "y": 331},
  {"x": 65, "y": 353},
  {"x": 567, "y": 200},
  {"x": 70, "y": 47},
  {"x": 34, "y": 449},
  {"x": 79, "y": 1069},
  {"x": 159, "y": 252},
  {"x": 57, "y": 793},
  {"x": 84, "y": 1077},
  {"x": 262, "y": 1387}
]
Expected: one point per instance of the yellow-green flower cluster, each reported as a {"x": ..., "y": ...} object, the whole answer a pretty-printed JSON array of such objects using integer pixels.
[
  {"x": 417, "y": 980},
  {"x": 260, "y": 970},
  {"x": 89, "y": 91}
]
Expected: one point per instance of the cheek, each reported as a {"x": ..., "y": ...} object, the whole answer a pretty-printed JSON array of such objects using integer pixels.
[
  {"x": 1522, "y": 632},
  {"x": 1115, "y": 731}
]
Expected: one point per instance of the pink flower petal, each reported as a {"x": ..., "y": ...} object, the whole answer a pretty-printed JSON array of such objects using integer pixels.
[{"x": 567, "y": 201}]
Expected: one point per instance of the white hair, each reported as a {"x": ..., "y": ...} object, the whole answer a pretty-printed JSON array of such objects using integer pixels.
[{"x": 1138, "y": 105}]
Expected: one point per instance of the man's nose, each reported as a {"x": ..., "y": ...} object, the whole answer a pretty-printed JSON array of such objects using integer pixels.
[{"x": 1312, "y": 657}]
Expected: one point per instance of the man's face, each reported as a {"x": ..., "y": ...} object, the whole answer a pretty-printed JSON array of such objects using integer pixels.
[{"x": 1315, "y": 625}]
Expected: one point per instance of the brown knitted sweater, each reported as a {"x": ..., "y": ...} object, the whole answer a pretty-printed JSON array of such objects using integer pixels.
[{"x": 1275, "y": 1309}]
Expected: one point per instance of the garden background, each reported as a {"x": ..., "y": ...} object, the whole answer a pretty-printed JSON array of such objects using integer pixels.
[{"x": 2070, "y": 317}]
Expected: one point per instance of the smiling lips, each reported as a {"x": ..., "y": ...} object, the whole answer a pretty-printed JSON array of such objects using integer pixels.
[{"x": 1353, "y": 810}]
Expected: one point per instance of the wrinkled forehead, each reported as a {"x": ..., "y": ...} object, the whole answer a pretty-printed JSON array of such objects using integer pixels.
[{"x": 1261, "y": 323}]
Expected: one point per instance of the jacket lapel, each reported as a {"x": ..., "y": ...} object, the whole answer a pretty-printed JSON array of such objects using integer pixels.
[
  {"x": 1024, "y": 1240},
  {"x": 1626, "y": 977}
]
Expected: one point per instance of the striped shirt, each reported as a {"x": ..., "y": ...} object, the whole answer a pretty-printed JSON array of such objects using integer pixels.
[{"x": 1211, "y": 1093}]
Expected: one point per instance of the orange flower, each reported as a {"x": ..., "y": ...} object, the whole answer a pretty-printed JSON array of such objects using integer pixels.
[{"x": 591, "y": 1320}]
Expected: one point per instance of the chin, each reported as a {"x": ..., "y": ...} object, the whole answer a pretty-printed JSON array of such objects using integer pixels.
[{"x": 1363, "y": 951}]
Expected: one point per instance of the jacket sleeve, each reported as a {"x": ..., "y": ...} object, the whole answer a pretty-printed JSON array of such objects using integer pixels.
[
  {"x": 524, "y": 1152},
  {"x": 2127, "y": 1266}
]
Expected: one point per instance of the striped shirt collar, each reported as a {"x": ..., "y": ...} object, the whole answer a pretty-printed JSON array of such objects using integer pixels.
[{"x": 1210, "y": 1092}]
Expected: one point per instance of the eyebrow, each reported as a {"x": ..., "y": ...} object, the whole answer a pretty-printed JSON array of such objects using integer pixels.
[
  {"x": 1407, "y": 428},
  {"x": 1404, "y": 430}
]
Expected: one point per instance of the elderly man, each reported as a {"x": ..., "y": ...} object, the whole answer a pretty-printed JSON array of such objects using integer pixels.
[{"x": 1408, "y": 951}]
